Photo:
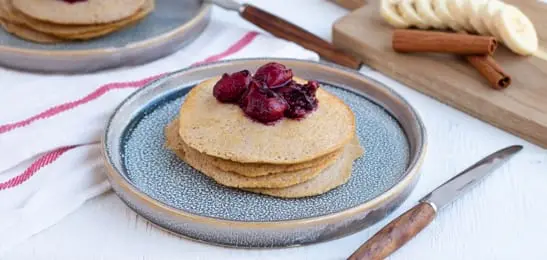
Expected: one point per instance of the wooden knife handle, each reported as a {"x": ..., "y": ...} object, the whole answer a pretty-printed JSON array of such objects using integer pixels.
[
  {"x": 291, "y": 32},
  {"x": 396, "y": 233}
]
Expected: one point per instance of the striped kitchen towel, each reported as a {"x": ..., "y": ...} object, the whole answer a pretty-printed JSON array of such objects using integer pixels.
[{"x": 50, "y": 127}]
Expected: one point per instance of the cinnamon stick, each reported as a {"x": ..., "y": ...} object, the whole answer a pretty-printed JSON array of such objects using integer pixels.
[
  {"x": 491, "y": 70},
  {"x": 405, "y": 40}
]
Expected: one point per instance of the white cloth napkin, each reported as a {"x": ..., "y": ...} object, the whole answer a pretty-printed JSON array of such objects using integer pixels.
[{"x": 50, "y": 126}]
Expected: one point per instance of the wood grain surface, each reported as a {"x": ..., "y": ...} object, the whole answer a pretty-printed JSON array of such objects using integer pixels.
[
  {"x": 288, "y": 31},
  {"x": 395, "y": 234},
  {"x": 520, "y": 109}
]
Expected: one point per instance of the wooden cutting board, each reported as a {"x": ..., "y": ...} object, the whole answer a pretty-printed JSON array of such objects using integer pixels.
[{"x": 520, "y": 109}]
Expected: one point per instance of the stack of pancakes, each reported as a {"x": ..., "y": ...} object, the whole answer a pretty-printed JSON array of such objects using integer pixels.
[
  {"x": 53, "y": 21},
  {"x": 290, "y": 159}
]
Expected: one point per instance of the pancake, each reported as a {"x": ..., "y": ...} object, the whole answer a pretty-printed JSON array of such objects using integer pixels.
[
  {"x": 25, "y": 33},
  {"x": 85, "y": 13},
  {"x": 74, "y": 31},
  {"x": 332, "y": 177},
  {"x": 223, "y": 130},
  {"x": 5, "y": 14},
  {"x": 203, "y": 164},
  {"x": 94, "y": 34},
  {"x": 174, "y": 142},
  {"x": 277, "y": 180}
]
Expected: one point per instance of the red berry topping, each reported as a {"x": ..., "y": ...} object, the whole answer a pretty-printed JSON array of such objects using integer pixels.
[
  {"x": 263, "y": 104},
  {"x": 300, "y": 98},
  {"x": 274, "y": 74},
  {"x": 230, "y": 88},
  {"x": 268, "y": 96},
  {"x": 73, "y": 1}
]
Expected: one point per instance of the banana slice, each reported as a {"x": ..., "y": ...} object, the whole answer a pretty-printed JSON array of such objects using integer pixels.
[
  {"x": 441, "y": 10},
  {"x": 473, "y": 8},
  {"x": 406, "y": 8},
  {"x": 488, "y": 14},
  {"x": 457, "y": 11},
  {"x": 516, "y": 30},
  {"x": 390, "y": 13},
  {"x": 424, "y": 8}
]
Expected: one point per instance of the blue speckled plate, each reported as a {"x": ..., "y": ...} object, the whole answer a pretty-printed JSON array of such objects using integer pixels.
[
  {"x": 170, "y": 193},
  {"x": 172, "y": 25}
]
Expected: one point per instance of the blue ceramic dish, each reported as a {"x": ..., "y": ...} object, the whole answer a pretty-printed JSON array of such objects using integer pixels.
[
  {"x": 173, "y": 195},
  {"x": 171, "y": 26}
]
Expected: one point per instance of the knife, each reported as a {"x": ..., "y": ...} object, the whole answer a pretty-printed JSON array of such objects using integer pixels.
[
  {"x": 288, "y": 31},
  {"x": 399, "y": 231}
]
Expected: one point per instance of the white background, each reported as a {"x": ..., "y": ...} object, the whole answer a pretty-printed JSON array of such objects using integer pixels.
[{"x": 504, "y": 217}]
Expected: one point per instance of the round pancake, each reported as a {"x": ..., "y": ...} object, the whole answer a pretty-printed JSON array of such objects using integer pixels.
[
  {"x": 5, "y": 12},
  {"x": 224, "y": 131},
  {"x": 28, "y": 34},
  {"x": 332, "y": 177},
  {"x": 174, "y": 142},
  {"x": 95, "y": 34},
  {"x": 278, "y": 180},
  {"x": 87, "y": 12},
  {"x": 74, "y": 31}
]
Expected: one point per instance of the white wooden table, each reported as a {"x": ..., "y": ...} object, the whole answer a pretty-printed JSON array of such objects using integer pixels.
[{"x": 504, "y": 217}]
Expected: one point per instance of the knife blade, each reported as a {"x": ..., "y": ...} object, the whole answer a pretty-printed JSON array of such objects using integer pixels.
[
  {"x": 291, "y": 32},
  {"x": 462, "y": 182},
  {"x": 403, "y": 228}
]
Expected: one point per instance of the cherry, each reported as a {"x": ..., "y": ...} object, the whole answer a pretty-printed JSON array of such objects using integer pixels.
[
  {"x": 274, "y": 74},
  {"x": 263, "y": 104},
  {"x": 269, "y": 95},
  {"x": 312, "y": 87},
  {"x": 74, "y": 1},
  {"x": 300, "y": 98},
  {"x": 230, "y": 88}
]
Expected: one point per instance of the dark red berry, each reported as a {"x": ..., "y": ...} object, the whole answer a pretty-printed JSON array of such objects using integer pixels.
[
  {"x": 263, "y": 104},
  {"x": 300, "y": 98},
  {"x": 230, "y": 88},
  {"x": 268, "y": 96},
  {"x": 73, "y": 1},
  {"x": 275, "y": 75},
  {"x": 312, "y": 87}
]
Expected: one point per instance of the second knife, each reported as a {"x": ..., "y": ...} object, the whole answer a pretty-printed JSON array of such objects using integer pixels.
[
  {"x": 288, "y": 31},
  {"x": 402, "y": 229}
]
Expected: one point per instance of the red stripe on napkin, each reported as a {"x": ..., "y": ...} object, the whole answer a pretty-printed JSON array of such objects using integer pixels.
[
  {"x": 244, "y": 41},
  {"x": 72, "y": 104},
  {"x": 50, "y": 157},
  {"x": 35, "y": 167}
]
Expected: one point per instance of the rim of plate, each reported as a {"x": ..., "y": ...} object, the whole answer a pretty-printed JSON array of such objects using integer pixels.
[
  {"x": 411, "y": 172},
  {"x": 201, "y": 14}
]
